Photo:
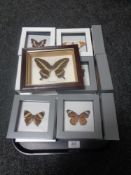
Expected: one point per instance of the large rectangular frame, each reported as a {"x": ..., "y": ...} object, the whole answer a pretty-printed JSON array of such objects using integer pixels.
[
  {"x": 26, "y": 30},
  {"x": 73, "y": 85},
  {"x": 61, "y": 134},
  {"x": 12, "y": 133},
  {"x": 74, "y": 31}
]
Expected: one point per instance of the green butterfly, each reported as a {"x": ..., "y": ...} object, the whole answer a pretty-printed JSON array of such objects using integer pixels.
[{"x": 46, "y": 68}]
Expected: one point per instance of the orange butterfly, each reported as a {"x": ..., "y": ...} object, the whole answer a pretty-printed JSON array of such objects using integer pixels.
[
  {"x": 37, "y": 44},
  {"x": 79, "y": 43},
  {"x": 29, "y": 117},
  {"x": 82, "y": 118}
]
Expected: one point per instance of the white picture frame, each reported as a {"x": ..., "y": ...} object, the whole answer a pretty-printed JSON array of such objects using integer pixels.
[
  {"x": 75, "y": 31},
  {"x": 34, "y": 31}
]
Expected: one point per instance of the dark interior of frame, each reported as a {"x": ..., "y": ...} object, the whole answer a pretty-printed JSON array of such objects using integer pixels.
[
  {"x": 74, "y": 35},
  {"x": 35, "y": 33}
]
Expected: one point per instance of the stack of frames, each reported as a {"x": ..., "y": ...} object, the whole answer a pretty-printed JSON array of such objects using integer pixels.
[{"x": 64, "y": 94}]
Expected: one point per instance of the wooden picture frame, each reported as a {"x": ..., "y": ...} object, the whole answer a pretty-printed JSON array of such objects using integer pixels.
[{"x": 67, "y": 77}]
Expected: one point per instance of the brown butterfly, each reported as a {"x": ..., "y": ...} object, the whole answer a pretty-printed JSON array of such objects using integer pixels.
[
  {"x": 29, "y": 117},
  {"x": 79, "y": 43},
  {"x": 46, "y": 68},
  {"x": 37, "y": 44},
  {"x": 82, "y": 118}
]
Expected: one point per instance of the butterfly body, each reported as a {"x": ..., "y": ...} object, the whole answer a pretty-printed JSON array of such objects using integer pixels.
[
  {"x": 29, "y": 118},
  {"x": 46, "y": 68},
  {"x": 75, "y": 118},
  {"x": 37, "y": 44}
]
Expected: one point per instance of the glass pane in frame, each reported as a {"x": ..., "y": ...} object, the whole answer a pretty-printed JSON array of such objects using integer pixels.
[
  {"x": 37, "y": 39},
  {"x": 33, "y": 116},
  {"x": 75, "y": 38},
  {"x": 86, "y": 74},
  {"x": 45, "y": 67},
  {"x": 78, "y": 116}
]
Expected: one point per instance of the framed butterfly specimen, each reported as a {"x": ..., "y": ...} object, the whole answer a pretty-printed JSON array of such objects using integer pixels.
[
  {"x": 79, "y": 116},
  {"x": 75, "y": 118},
  {"x": 46, "y": 68},
  {"x": 32, "y": 117},
  {"x": 51, "y": 68},
  {"x": 37, "y": 44},
  {"x": 37, "y": 118},
  {"x": 79, "y": 36},
  {"x": 36, "y": 37},
  {"x": 79, "y": 43}
]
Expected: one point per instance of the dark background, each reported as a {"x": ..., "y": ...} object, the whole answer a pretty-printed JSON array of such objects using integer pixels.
[{"x": 115, "y": 18}]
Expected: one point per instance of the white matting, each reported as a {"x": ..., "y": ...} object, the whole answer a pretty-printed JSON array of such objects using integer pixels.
[
  {"x": 79, "y": 107},
  {"x": 34, "y": 108},
  {"x": 69, "y": 72}
]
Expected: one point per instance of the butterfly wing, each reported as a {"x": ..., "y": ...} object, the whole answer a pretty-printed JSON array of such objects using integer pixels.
[
  {"x": 45, "y": 68},
  {"x": 81, "y": 44},
  {"x": 28, "y": 117},
  {"x": 83, "y": 117},
  {"x": 42, "y": 43},
  {"x": 73, "y": 116},
  {"x": 38, "y": 117},
  {"x": 59, "y": 67},
  {"x": 34, "y": 43}
]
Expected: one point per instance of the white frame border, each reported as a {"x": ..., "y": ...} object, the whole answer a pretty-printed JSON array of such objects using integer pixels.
[
  {"x": 35, "y": 29},
  {"x": 87, "y": 32}
]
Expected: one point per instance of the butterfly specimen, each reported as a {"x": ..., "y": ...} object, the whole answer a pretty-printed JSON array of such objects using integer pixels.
[
  {"x": 82, "y": 118},
  {"x": 29, "y": 117},
  {"x": 37, "y": 44},
  {"x": 46, "y": 68},
  {"x": 80, "y": 43}
]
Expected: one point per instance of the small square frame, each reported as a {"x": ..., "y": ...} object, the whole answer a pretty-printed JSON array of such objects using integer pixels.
[
  {"x": 92, "y": 76},
  {"x": 26, "y": 30},
  {"x": 87, "y": 33},
  {"x": 27, "y": 56},
  {"x": 12, "y": 133},
  {"x": 61, "y": 134}
]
